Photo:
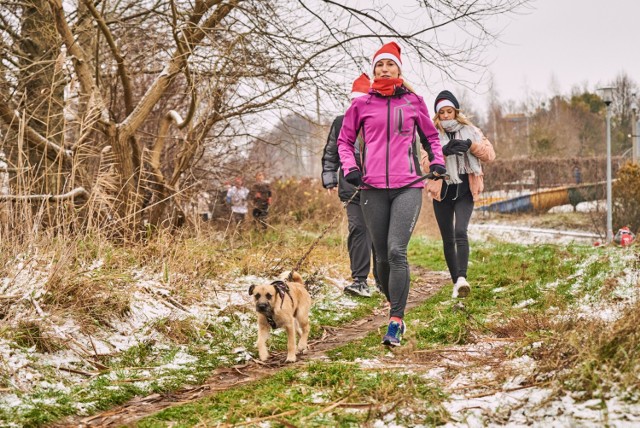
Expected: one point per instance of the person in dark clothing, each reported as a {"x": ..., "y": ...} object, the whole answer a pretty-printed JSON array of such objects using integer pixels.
[
  {"x": 260, "y": 197},
  {"x": 358, "y": 241}
]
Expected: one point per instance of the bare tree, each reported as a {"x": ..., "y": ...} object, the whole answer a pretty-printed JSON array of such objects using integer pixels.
[{"x": 151, "y": 89}]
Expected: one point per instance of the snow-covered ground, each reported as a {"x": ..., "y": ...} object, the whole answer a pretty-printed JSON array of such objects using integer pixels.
[
  {"x": 529, "y": 235},
  {"x": 29, "y": 373},
  {"x": 510, "y": 403}
]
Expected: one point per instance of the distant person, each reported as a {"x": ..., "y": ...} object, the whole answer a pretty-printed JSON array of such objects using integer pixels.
[
  {"x": 204, "y": 206},
  {"x": 358, "y": 241},
  {"x": 260, "y": 196},
  {"x": 577, "y": 174},
  {"x": 464, "y": 147},
  {"x": 237, "y": 198},
  {"x": 387, "y": 119}
]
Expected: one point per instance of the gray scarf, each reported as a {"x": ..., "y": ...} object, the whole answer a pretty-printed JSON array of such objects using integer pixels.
[{"x": 465, "y": 163}]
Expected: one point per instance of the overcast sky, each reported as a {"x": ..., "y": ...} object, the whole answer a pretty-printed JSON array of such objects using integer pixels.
[{"x": 560, "y": 44}]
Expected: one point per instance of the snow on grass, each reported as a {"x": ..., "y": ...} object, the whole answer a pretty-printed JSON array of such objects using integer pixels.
[
  {"x": 602, "y": 296},
  {"x": 28, "y": 373}
]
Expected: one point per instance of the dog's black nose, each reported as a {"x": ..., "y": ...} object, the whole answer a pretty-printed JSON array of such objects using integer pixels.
[{"x": 262, "y": 306}]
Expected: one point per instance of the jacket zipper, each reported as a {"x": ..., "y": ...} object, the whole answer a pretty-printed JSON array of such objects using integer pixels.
[
  {"x": 388, "y": 137},
  {"x": 363, "y": 154}
]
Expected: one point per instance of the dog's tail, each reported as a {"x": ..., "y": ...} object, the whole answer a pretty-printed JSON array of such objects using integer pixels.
[{"x": 292, "y": 276}]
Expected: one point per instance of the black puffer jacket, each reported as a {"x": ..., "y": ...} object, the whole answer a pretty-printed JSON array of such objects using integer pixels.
[{"x": 332, "y": 174}]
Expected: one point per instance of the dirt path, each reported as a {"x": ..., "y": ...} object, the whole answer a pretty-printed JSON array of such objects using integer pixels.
[{"x": 424, "y": 285}]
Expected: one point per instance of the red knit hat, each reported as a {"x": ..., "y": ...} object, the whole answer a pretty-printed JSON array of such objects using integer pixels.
[
  {"x": 390, "y": 51},
  {"x": 360, "y": 86}
]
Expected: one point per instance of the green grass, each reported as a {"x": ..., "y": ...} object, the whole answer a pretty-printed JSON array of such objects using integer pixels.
[
  {"x": 319, "y": 394},
  {"x": 503, "y": 275}
]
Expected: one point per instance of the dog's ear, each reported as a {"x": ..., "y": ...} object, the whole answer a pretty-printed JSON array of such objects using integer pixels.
[{"x": 253, "y": 286}]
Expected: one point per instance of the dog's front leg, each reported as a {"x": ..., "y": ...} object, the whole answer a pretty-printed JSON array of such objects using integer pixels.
[
  {"x": 263, "y": 336},
  {"x": 291, "y": 341}
]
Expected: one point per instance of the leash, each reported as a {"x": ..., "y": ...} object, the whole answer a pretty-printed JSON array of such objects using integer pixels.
[
  {"x": 281, "y": 288},
  {"x": 430, "y": 176},
  {"x": 314, "y": 243}
]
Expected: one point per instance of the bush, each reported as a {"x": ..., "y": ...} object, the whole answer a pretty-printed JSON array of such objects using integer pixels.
[
  {"x": 626, "y": 198},
  {"x": 302, "y": 200}
]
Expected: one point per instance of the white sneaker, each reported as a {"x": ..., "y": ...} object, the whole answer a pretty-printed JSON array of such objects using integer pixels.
[{"x": 461, "y": 289}]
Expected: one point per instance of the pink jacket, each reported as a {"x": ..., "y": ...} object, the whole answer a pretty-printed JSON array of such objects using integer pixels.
[{"x": 388, "y": 126}]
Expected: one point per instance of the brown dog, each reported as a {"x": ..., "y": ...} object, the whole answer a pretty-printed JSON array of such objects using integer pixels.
[{"x": 283, "y": 305}]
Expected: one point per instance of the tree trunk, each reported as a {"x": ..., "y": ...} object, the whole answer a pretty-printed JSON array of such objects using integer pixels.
[{"x": 42, "y": 83}]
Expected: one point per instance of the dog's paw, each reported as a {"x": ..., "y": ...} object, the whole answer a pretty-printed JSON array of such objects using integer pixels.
[
  {"x": 264, "y": 357},
  {"x": 290, "y": 359},
  {"x": 303, "y": 351}
]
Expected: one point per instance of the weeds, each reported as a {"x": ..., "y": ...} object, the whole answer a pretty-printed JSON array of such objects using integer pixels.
[
  {"x": 29, "y": 334},
  {"x": 97, "y": 296}
]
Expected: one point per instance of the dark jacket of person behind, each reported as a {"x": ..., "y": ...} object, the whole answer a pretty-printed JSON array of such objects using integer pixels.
[{"x": 332, "y": 174}]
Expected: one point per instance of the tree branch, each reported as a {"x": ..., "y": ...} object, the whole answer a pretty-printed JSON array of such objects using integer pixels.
[
  {"x": 122, "y": 70},
  {"x": 75, "y": 193},
  {"x": 12, "y": 119},
  {"x": 192, "y": 36},
  {"x": 79, "y": 57}
]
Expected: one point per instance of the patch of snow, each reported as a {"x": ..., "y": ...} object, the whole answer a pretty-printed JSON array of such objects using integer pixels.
[
  {"x": 528, "y": 235},
  {"x": 525, "y": 303}
]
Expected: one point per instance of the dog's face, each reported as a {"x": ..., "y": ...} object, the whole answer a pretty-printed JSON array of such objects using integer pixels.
[{"x": 264, "y": 296}]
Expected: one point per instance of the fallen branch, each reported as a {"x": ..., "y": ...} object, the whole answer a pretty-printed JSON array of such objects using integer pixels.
[
  {"x": 79, "y": 191},
  {"x": 494, "y": 392},
  {"x": 80, "y": 372}
]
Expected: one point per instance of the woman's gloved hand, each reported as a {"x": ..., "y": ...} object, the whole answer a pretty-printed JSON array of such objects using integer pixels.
[
  {"x": 456, "y": 147},
  {"x": 437, "y": 170},
  {"x": 354, "y": 177}
]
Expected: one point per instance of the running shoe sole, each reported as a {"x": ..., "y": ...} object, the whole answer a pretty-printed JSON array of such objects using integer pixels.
[
  {"x": 389, "y": 342},
  {"x": 463, "y": 291},
  {"x": 356, "y": 292}
]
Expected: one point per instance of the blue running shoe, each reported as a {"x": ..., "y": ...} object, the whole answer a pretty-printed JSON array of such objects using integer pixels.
[{"x": 394, "y": 333}]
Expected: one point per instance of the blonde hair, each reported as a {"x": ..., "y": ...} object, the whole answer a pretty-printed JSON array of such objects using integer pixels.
[
  {"x": 408, "y": 86},
  {"x": 460, "y": 117}
]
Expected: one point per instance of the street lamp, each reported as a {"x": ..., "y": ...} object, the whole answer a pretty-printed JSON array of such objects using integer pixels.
[
  {"x": 607, "y": 97},
  {"x": 634, "y": 129}
]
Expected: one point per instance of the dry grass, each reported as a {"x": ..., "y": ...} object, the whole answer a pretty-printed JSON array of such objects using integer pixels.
[
  {"x": 181, "y": 331},
  {"x": 591, "y": 355},
  {"x": 90, "y": 278},
  {"x": 523, "y": 324},
  {"x": 29, "y": 333},
  {"x": 92, "y": 299}
]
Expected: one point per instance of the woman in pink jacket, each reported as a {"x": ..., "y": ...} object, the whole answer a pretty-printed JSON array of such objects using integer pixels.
[{"x": 388, "y": 120}]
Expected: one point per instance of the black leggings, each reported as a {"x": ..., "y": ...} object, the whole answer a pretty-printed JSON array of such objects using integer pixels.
[
  {"x": 391, "y": 216},
  {"x": 453, "y": 214}
]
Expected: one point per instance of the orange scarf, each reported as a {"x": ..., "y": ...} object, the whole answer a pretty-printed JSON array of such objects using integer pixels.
[{"x": 386, "y": 87}]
